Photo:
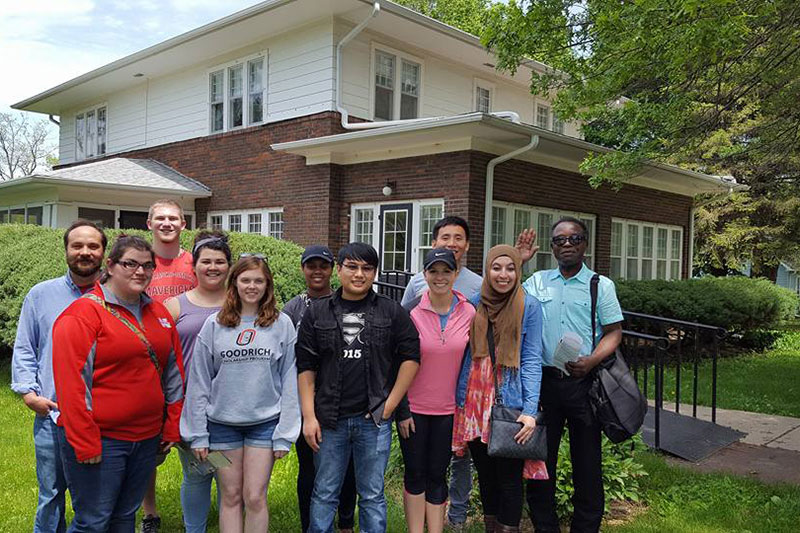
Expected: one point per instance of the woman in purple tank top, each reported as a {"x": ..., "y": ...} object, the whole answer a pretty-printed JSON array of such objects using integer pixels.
[{"x": 211, "y": 257}]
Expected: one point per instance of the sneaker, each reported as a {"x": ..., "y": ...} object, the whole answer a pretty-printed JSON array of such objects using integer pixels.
[
  {"x": 151, "y": 524},
  {"x": 454, "y": 526}
]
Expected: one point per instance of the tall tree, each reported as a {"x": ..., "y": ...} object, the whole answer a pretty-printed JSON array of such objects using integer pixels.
[
  {"x": 23, "y": 145},
  {"x": 467, "y": 15},
  {"x": 712, "y": 84}
]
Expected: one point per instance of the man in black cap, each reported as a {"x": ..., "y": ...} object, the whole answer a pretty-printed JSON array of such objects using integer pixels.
[{"x": 317, "y": 266}]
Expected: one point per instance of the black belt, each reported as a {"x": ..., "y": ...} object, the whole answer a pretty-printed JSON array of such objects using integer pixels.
[{"x": 553, "y": 372}]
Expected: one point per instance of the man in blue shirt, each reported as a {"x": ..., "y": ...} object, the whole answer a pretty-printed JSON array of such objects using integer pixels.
[
  {"x": 566, "y": 305},
  {"x": 32, "y": 362}
]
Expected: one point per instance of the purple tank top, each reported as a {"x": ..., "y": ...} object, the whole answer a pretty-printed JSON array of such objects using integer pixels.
[{"x": 190, "y": 321}]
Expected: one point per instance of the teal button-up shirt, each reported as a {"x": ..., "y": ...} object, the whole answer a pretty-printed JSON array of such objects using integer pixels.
[{"x": 566, "y": 306}]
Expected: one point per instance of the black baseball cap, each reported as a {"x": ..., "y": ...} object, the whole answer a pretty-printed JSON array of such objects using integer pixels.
[
  {"x": 316, "y": 251},
  {"x": 440, "y": 255}
]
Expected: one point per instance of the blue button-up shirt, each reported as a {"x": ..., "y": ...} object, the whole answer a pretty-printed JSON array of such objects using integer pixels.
[
  {"x": 566, "y": 305},
  {"x": 32, "y": 362}
]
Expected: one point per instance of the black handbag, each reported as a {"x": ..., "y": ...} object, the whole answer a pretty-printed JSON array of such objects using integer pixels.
[
  {"x": 617, "y": 402},
  {"x": 504, "y": 425}
]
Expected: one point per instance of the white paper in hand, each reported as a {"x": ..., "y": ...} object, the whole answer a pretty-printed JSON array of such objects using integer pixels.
[{"x": 568, "y": 349}]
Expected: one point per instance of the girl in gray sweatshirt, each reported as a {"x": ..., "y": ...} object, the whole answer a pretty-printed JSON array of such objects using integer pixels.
[{"x": 241, "y": 396}]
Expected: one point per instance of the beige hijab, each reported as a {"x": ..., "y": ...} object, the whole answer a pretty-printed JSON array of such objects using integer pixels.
[{"x": 503, "y": 310}]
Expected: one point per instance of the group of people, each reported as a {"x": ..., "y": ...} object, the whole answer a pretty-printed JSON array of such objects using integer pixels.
[{"x": 168, "y": 348}]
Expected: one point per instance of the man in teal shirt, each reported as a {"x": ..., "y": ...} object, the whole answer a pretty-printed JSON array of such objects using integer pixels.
[{"x": 566, "y": 304}]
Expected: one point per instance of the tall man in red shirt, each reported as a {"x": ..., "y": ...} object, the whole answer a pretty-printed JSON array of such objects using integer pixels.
[{"x": 174, "y": 275}]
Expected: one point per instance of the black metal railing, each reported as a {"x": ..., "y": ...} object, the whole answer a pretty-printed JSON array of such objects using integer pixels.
[
  {"x": 643, "y": 352},
  {"x": 687, "y": 341},
  {"x": 392, "y": 283}
]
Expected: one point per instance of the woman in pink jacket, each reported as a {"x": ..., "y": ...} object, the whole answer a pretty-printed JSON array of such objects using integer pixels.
[{"x": 443, "y": 319}]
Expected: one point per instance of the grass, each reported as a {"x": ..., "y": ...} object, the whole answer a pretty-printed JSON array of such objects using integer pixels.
[
  {"x": 766, "y": 382},
  {"x": 677, "y": 500}
]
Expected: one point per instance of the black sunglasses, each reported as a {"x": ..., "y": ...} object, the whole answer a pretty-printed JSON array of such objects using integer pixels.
[
  {"x": 257, "y": 256},
  {"x": 574, "y": 240}
]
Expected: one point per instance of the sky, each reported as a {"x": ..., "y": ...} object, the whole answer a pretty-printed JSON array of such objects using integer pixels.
[{"x": 47, "y": 42}]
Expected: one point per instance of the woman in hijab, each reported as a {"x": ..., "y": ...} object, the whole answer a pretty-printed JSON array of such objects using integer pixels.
[{"x": 516, "y": 323}]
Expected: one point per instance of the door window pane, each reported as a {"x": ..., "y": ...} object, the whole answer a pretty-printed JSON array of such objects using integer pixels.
[
  {"x": 384, "y": 86},
  {"x": 394, "y": 239},
  {"x": 235, "y": 91},
  {"x": 363, "y": 228}
]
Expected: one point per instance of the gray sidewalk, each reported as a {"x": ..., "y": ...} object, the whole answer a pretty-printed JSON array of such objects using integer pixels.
[{"x": 770, "y": 452}]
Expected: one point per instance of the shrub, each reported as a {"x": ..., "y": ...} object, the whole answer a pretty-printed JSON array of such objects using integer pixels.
[
  {"x": 30, "y": 254},
  {"x": 737, "y": 304}
]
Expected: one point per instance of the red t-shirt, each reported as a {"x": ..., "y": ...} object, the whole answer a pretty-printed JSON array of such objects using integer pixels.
[{"x": 172, "y": 277}]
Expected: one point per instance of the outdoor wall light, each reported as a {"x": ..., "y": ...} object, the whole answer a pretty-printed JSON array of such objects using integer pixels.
[{"x": 388, "y": 188}]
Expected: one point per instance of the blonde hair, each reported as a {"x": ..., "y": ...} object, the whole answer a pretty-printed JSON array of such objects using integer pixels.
[{"x": 164, "y": 202}]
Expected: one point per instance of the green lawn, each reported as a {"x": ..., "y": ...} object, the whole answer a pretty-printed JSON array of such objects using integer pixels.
[
  {"x": 677, "y": 500},
  {"x": 766, "y": 382}
]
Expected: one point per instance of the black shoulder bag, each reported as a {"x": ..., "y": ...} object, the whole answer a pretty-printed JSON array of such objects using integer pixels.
[
  {"x": 504, "y": 425},
  {"x": 617, "y": 402}
]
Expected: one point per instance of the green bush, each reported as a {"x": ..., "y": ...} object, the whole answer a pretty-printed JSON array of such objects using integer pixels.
[
  {"x": 30, "y": 254},
  {"x": 737, "y": 304}
]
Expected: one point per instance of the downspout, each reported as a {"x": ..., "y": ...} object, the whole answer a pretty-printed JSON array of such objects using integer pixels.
[
  {"x": 487, "y": 213},
  {"x": 376, "y": 8},
  {"x": 54, "y": 121}
]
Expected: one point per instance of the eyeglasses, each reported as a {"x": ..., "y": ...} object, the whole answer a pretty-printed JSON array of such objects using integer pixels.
[
  {"x": 132, "y": 266},
  {"x": 257, "y": 256},
  {"x": 574, "y": 240},
  {"x": 355, "y": 267}
]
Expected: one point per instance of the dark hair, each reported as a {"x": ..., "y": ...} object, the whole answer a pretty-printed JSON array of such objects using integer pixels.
[
  {"x": 451, "y": 221},
  {"x": 81, "y": 222},
  {"x": 572, "y": 220},
  {"x": 231, "y": 313},
  {"x": 124, "y": 243},
  {"x": 213, "y": 240},
  {"x": 358, "y": 251}
]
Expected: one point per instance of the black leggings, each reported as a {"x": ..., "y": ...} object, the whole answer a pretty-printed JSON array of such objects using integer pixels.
[
  {"x": 426, "y": 455},
  {"x": 305, "y": 486},
  {"x": 500, "y": 482}
]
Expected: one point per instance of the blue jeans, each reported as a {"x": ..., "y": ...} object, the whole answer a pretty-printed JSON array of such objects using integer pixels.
[
  {"x": 50, "y": 474},
  {"x": 195, "y": 495},
  {"x": 106, "y": 496},
  {"x": 460, "y": 488},
  {"x": 370, "y": 446}
]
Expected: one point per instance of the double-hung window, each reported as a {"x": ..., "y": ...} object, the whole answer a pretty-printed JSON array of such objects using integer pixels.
[
  {"x": 260, "y": 221},
  {"x": 90, "y": 133},
  {"x": 484, "y": 91},
  {"x": 642, "y": 250},
  {"x": 543, "y": 116},
  {"x": 236, "y": 95},
  {"x": 398, "y": 81}
]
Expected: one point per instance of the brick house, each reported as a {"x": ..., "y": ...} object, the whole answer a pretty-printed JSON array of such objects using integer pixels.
[{"x": 330, "y": 121}]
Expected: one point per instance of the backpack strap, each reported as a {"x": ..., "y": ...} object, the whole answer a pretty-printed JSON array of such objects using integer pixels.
[
  {"x": 138, "y": 332},
  {"x": 595, "y": 281}
]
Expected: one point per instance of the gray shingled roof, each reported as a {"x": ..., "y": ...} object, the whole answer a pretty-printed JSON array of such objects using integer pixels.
[{"x": 145, "y": 173}]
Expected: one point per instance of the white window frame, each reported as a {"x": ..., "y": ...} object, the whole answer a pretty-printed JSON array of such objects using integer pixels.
[
  {"x": 225, "y": 68},
  {"x": 479, "y": 83},
  {"x": 625, "y": 271},
  {"x": 418, "y": 248},
  {"x": 245, "y": 214},
  {"x": 96, "y": 152},
  {"x": 117, "y": 208},
  {"x": 545, "y": 105},
  {"x": 543, "y": 240},
  {"x": 399, "y": 58},
  {"x": 46, "y": 214}
]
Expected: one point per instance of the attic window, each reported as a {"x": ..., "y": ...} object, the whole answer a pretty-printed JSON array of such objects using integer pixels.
[{"x": 90, "y": 133}]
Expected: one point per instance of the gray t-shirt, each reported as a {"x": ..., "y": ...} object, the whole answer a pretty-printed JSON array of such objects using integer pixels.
[{"x": 467, "y": 283}]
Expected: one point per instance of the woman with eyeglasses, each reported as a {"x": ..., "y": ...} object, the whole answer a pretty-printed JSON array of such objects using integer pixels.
[
  {"x": 506, "y": 346},
  {"x": 118, "y": 375},
  {"x": 211, "y": 260},
  {"x": 241, "y": 397}
]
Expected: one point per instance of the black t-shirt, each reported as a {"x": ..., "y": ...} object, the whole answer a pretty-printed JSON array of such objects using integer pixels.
[{"x": 353, "y": 369}]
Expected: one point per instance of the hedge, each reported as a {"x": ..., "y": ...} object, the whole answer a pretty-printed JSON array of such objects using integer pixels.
[
  {"x": 30, "y": 254},
  {"x": 738, "y": 304}
]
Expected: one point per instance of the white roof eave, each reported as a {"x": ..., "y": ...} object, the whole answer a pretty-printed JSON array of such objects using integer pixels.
[{"x": 45, "y": 179}]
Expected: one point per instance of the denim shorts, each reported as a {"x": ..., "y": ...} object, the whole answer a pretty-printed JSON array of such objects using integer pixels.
[{"x": 228, "y": 437}]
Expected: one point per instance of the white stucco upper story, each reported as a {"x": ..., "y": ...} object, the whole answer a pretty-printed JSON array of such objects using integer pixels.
[{"x": 276, "y": 61}]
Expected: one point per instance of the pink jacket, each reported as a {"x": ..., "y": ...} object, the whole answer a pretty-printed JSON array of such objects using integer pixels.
[{"x": 433, "y": 391}]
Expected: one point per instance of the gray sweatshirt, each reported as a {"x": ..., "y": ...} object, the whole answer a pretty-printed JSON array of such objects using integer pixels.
[{"x": 243, "y": 376}]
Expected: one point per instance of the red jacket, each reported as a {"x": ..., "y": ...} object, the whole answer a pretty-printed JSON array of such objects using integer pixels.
[{"x": 106, "y": 383}]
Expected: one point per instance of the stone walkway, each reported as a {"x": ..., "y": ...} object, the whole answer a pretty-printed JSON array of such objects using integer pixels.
[{"x": 770, "y": 452}]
